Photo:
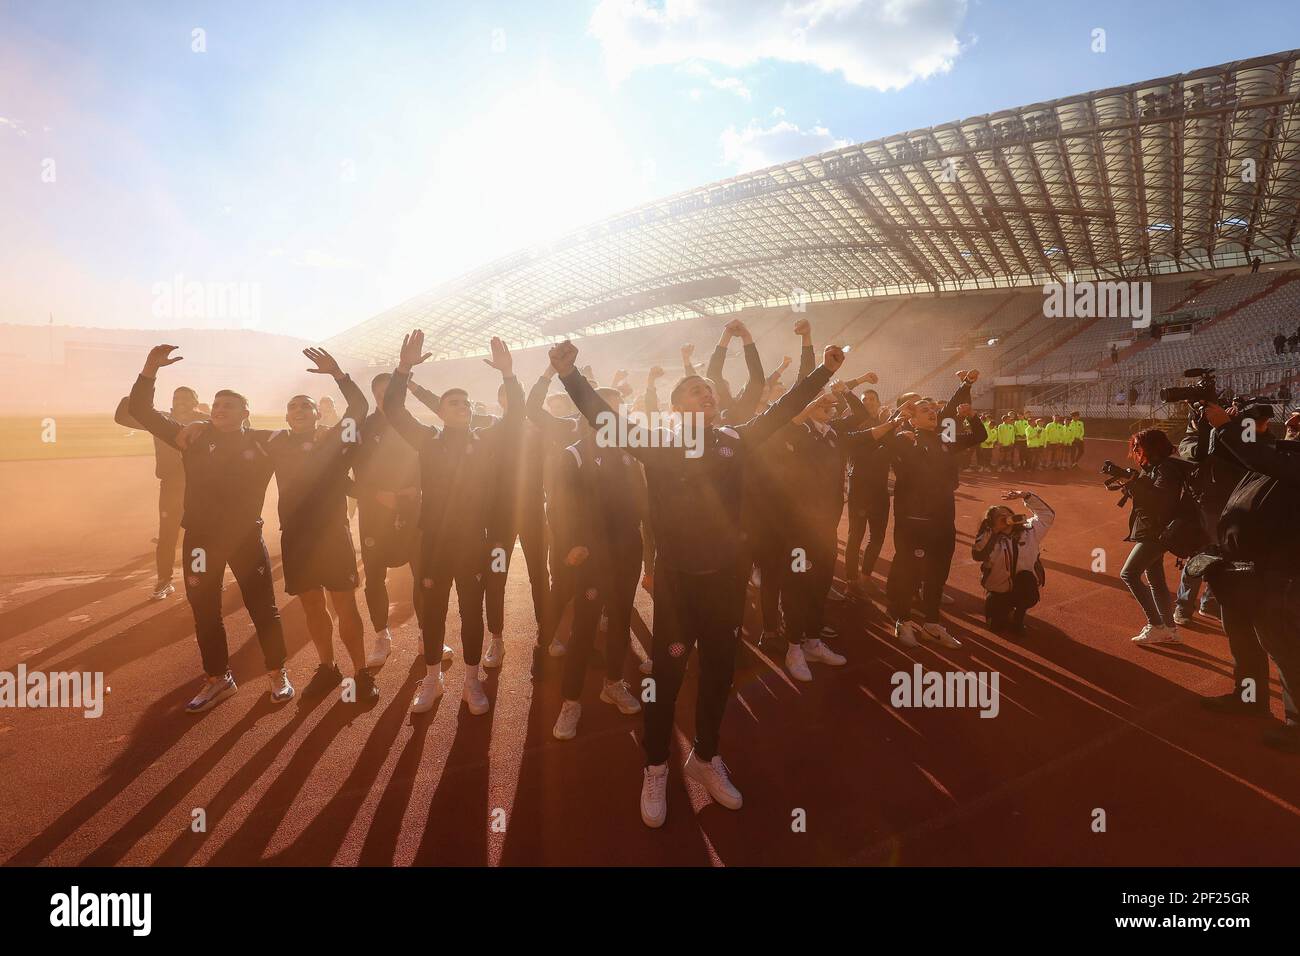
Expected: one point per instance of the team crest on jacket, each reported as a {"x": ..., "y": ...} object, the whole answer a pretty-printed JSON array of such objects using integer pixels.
[
  {"x": 627, "y": 459},
  {"x": 369, "y": 542},
  {"x": 592, "y": 594},
  {"x": 726, "y": 451},
  {"x": 676, "y": 649}
]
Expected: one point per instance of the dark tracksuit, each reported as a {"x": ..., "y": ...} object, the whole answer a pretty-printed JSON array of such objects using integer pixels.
[
  {"x": 556, "y": 435},
  {"x": 389, "y": 536},
  {"x": 600, "y": 503},
  {"x": 815, "y": 496},
  {"x": 700, "y": 566},
  {"x": 925, "y": 533},
  {"x": 170, "y": 473},
  {"x": 868, "y": 507},
  {"x": 456, "y": 480},
  {"x": 226, "y": 474},
  {"x": 1260, "y": 524},
  {"x": 518, "y": 511},
  {"x": 311, "y": 472}
]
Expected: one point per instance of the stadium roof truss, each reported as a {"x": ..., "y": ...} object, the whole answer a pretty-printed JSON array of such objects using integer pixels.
[{"x": 1177, "y": 174}]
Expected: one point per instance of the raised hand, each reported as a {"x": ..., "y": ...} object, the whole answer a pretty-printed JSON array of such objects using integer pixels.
[
  {"x": 619, "y": 377},
  {"x": 970, "y": 376},
  {"x": 325, "y": 363},
  {"x": 160, "y": 356},
  {"x": 964, "y": 410},
  {"x": 687, "y": 351},
  {"x": 413, "y": 352},
  {"x": 785, "y": 364},
  {"x": 563, "y": 357},
  {"x": 501, "y": 359},
  {"x": 656, "y": 372},
  {"x": 833, "y": 358},
  {"x": 869, "y": 378},
  {"x": 1009, "y": 495},
  {"x": 839, "y": 387},
  {"x": 803, "y": 328}
]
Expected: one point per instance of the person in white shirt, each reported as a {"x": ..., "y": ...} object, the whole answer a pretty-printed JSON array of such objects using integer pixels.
[{"x": 1008, "y": 546}]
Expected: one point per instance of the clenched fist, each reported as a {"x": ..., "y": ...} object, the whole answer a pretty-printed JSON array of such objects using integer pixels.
[
  {"x": 833, "y": 358},
  {"x": 563, "y": 357}
]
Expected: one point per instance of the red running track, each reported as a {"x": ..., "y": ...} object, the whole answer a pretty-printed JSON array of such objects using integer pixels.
[{"x": 1087, "y": 721}]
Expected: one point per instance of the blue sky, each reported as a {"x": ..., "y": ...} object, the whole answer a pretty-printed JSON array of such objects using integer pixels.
[{"x": 339, "y": 158}]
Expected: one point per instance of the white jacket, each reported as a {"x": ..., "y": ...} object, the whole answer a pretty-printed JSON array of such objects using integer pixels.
[{"x": 995, "y": 551}]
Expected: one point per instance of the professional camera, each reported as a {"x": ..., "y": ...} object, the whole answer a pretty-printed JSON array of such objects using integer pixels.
[
  {"x": 1205, "y": 389},
  {"x": 1117, "y": 478}
]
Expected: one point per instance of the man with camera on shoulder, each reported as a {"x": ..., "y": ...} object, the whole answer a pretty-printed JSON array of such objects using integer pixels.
[{"x": 1255, "y": 569}]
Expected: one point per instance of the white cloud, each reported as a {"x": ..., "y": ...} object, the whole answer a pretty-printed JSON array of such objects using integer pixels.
[
  {"x": 885, "y": 44},
  {"x": 729, "y": 84},
  {"x": 756, "y": 147},
  {"x": 14, "y": 125}
]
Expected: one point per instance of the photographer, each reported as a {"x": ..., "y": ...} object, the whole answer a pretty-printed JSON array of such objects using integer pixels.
[
  {"x": 1211, "y": 483},
  {"x": 1258, "y": 580},
  {"x": 1007, "y": 546},
  {"x": 1156, "y": 493}
]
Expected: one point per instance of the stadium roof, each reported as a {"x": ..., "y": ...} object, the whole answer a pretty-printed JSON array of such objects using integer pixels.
[{"x": 1175, "y": 174}]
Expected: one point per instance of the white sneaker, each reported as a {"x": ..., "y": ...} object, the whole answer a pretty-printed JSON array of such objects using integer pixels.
[
  {"x": 281, "y": 689},
  {"x": 716, "y": 779},
  {"x": 1181, "y": 616},
  {"x": 213, "y": 692},
  {"x": 618, "y": 694},
  {"x": 1158, "y": 634},
  {"x": 795, "y": 663},
  {"x": 654, "y": 795},
  {"x": 647, "y": 666},
  {"x": 556, "y": 648},
  {"x": 905, "y": 632},
  {"x": 495, "y": 652},
  {"x": 1162, "y": 635},
  {"x": 817, "y": 652},
  {"x": 162, "y": 589},
  {"x": 474, "y": 698},
  {"x": 379, "y": 654},
  {"x": 939, "y": 633},
  {"x": 447, "y": 655},
  {"x": 427, "y": 695},
  {"x": 566, "y": 725}
]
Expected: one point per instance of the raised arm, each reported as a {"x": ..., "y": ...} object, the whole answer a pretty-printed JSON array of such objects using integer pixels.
[
  {"x": 760, "y": 429},
  {"x": 652, "y": 390},
  {"x": 554, "y": 428},
  {"x": 140, "y": 402},
  {"x": 959, "y": 397},
  {"x": 395, "y": 411},
  {"x": 746, "y": 403},
  {"x": 803, "y": 329},
  {"x": 594, "y": 408},
  {"x": 122, "y": 414}
]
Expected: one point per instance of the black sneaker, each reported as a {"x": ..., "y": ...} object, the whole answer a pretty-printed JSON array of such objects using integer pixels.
[
  {"x": 366, "y": 689},
  {"x": 1230, "y": 703},
  {"x": 1284, "y": 737},
  {"x": 326, "y": 678}
]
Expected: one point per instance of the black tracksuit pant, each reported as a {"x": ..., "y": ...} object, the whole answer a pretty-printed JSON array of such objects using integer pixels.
[
  {"x": 1009, "y": 607},
  {"x": 803, "y": 592},
  {"x": 691, "y": 609},
  {"x": 922, "y": 558},
  {"x": 530, "y": 528},
  {"x": 1261, "y": 617},
  {"x": 379, "y": 538},
  {"x": 604, "y": 582},
  {"x": 868, "y": 510},
  {"x": 442, "y": 564},
  {"x": 171, "y": 504},
  {"x": 768, "y": 555},
  {"x": 251, "y": 566}
]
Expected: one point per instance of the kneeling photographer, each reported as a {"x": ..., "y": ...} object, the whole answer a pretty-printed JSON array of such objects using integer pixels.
[
  {"x": 1255, "y": 570},
  {"x": 1007, "y": 546},
  {"x": 1157, "y": 493}
]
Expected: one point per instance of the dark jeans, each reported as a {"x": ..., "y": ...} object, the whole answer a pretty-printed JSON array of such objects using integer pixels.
[
  {"x": 531, "y": 530},
  {"x": 442, "y": 564},
  {"x": 768, "y": 557},
  {"x": 171, "y": 503},
  {"x": 1148, "y": 558},
  {"x": 869, "y": 513},
  {"x": 922, "y": 558},
  {"x": 691, "y": 609},
  {"x": 251, "y": 566},
  {"x": 1261, "y": 618},
  {"x": 607, "y": 583}
]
